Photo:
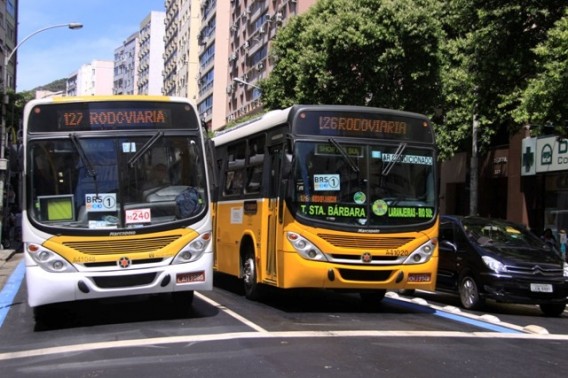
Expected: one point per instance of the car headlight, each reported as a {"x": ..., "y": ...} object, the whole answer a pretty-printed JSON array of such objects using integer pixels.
[
  {"x": 493, "y": 264},
  {"x": 304, "y": 247},
  {"x": 422, "y": 254},
  {"x": 49, "y": 260},
  {"x": 194, "y": 250}
]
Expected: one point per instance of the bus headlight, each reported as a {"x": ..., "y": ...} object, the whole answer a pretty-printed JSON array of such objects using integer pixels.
[
  {"x": 48, "y": 260},
  {"x": 422, "y": 254},
  {"x": 193, "y": 250},
  {"x": 304, "y": 247}
]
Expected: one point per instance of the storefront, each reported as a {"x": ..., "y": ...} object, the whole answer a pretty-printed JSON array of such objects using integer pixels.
[
  {"x": 502, "y": 191},
  {"x": 544, "y": 162}
]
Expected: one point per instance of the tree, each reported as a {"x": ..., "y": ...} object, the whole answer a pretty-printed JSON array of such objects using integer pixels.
[
  {"x": 546, "y": 97},
  {"x": 489, "y": 56},
  {"x": 367, "y": 52},
  {"x": 14, "y": 112}
]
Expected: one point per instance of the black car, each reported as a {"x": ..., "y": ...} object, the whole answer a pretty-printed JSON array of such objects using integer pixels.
[{"x": 484, "y": 258}]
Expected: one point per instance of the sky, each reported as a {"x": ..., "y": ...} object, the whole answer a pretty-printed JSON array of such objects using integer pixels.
[{"x": 57, "y": 53}]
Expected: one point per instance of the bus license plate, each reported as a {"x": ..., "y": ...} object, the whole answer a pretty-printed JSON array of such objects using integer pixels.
[
  {"x": 541, "y": 288},
  {"x": 182, "y": 278}
]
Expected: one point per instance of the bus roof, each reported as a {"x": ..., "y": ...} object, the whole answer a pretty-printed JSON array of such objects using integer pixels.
[
  {"x": 68, "y": 99},
  {"x": 279, "y": 117},
  {"x": 262, "y": 123}
]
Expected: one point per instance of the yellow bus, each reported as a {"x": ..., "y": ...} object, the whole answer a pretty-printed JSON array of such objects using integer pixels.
[
  {"x": 331, "y": 197},
  {"x": 116, "y": 200}
]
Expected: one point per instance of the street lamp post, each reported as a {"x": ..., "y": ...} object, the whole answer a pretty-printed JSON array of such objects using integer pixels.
[
  {"x": 5, "y": 100},
  {"x": 241, "y": 81},
  {"x": 473, "y": 174}
]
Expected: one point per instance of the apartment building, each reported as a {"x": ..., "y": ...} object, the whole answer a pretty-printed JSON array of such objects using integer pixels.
[
  {"x": 213, "y": 60},
  {"x": 151, "y": 54},
  {"x": 126, "y": 66},
  {"x": 95, "y": 78},
  {"x": 181, "y": 50},
  {"x": 8, "y": 40}
]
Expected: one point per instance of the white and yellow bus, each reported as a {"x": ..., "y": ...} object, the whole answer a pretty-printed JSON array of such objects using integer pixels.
[
  {"x": 116, "y": 200},
  {"x": 331, "y": 197}
]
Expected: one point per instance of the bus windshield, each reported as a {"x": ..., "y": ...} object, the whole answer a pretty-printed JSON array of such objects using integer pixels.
[
  {"x": 115, "y": 182},
  {"x": 363, "y": 184}
]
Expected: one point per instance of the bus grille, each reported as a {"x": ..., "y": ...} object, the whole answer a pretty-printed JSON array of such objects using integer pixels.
[
  {"x": 121, "y": 246},
  {"x": 364, "y": 242},
  {"x": 365, "y": 275},
  {"x": 124, "y": 281}
]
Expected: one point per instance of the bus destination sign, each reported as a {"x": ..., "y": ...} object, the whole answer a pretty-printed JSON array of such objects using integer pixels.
[
  {"x": 381, "y": 125},
  {"x": 103, "y": 119},
  {"x": 111, "y": 115}
]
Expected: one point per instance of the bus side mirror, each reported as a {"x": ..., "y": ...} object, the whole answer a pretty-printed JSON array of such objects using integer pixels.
[{"x": 286, "y": 166}]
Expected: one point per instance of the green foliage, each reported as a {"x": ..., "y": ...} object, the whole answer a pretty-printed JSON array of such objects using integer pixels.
[
  {"x": 545, "y": 99},
  {"x": 14, "y": 111},
  {"x": 449, "y": 59},
  {"x": 489, "y": 57},
  {"x": 367, "y": 52},
  {"x": 242, "y": 119},
  {"x": 55, "y": 86}
]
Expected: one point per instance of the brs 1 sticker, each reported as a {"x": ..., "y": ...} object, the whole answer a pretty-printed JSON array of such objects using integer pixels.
[{"x": 326, "y": 182}]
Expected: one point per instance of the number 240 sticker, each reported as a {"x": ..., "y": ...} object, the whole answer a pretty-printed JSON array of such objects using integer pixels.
[{"x": 138, "y": 216}]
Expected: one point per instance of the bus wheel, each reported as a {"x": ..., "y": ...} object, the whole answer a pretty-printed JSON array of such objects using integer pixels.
[
  {"x": 251, "y": 286},
  {"x": 372, "y": 298}
]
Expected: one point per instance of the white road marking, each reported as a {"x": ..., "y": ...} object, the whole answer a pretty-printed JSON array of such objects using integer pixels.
[
  {"x": 261, "y": 333},
  {"x": 266, "y": 335},
  {"x": 231, "y": 313}
]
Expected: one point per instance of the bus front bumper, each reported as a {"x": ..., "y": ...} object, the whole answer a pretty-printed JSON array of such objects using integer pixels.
[
  {"x": 321, "y": 274},
  {"x": 46, "y": 288}
]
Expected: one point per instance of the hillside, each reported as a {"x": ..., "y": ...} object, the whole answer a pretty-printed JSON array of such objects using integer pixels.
[{"x": 54, "y": 86}]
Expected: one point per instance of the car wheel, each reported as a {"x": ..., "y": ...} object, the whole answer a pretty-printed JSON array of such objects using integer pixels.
[
  {"x": 552, "y": 309},
  {"x": 253, "y": 291},
  {"x": 469, "y": 293}
]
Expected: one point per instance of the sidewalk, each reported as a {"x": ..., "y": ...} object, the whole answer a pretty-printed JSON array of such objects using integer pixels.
[{"x": 9, "y": 259}]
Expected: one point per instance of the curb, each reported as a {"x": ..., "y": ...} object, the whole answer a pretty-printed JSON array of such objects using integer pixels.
[{"x": 7, "y": 254}]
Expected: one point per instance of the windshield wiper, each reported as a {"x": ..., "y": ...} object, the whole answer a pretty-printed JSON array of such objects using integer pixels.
[
  {"x": 77, "y": 144},
  {"x": 91, "y": 172},
  {"x": 347, "y": 158},
  {"x": 145, "y": 148},
  {"x": 400, "y": 149}
]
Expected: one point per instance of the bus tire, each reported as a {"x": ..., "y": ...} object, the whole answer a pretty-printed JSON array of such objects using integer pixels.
[{"x": 253, "y": 289}]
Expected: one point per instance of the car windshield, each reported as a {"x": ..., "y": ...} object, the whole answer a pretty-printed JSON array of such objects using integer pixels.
[
  {"x": 105, "y": 183},
  {"x": 363, "y": 184},
  {"x": 489, "y": 231}
]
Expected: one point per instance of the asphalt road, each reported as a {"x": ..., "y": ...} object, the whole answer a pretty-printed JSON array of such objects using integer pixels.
[{"x": 293, "y": 333}]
